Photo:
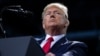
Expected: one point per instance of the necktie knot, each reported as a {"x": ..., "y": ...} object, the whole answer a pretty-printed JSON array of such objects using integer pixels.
[
  {"x": 50, "y": 39},
  {"x": 46, "y": 47}
]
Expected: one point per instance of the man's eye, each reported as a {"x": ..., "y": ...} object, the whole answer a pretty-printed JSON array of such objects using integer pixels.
[
  {"x": 58, "y": 13},
  {"x": 47, "y": 13}
]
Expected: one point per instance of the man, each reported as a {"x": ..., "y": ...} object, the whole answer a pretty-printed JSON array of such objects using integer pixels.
[{"x": 55, "y": 23}]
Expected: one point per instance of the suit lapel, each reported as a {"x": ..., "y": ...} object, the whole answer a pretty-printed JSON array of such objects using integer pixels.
[{"x": 58, "y": 44}]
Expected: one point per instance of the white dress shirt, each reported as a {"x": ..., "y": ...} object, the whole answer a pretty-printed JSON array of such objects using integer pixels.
[{"x": 55, "y": 38}]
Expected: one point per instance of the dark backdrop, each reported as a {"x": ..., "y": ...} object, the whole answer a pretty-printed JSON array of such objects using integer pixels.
[{"x": 84, "y": 16}]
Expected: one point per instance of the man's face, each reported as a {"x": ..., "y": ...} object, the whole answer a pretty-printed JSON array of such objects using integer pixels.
[{"x": 54, "y": 16}]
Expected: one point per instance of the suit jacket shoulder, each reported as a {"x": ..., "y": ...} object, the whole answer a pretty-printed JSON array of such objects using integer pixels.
[
  {"x": 78, "y": 44},
  {"x": 63, "y": 46}
]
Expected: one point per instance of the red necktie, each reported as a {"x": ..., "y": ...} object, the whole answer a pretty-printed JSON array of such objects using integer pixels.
[{"x": 46, "y": 47}]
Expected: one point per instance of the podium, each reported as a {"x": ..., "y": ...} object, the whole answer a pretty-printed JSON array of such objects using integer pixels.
[{"x": 20, "y": 46}]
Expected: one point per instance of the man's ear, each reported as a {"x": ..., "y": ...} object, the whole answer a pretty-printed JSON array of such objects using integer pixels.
[
  {"x": 67, "y": 23},
  {"x": 43, "y": 25}
]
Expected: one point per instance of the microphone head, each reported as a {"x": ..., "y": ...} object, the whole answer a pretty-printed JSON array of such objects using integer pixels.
[{"x": 15, "y": 14}]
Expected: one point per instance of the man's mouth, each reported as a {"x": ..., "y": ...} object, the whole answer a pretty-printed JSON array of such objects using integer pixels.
[{"x": 52, "y": 20}]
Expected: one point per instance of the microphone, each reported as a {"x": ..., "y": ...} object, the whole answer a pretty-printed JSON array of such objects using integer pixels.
[
  {"x": 2, "y": 29},
  {"x": 15, "y": 15}
]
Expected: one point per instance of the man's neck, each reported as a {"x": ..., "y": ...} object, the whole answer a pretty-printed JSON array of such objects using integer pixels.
[{"x": 55, "y": 31}]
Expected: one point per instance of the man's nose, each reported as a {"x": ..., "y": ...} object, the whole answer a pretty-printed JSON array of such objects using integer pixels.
[{"x": 52, "y": 16}]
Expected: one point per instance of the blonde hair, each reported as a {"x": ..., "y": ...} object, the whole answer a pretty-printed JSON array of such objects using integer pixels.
[{"x": 58, "y": 5}]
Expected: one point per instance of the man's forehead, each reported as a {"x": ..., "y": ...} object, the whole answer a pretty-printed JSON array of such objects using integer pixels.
[{"x": 53, "y": 8}]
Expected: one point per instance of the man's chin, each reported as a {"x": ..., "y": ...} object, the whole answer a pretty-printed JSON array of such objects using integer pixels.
[{"x": 53, "y": 26}]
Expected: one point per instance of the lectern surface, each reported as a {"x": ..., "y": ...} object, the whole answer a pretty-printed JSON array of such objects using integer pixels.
[{"x": 20, "y": 46}]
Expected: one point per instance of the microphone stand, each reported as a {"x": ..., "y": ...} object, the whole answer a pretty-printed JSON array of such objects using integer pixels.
[{"x": 2, "y": 29}]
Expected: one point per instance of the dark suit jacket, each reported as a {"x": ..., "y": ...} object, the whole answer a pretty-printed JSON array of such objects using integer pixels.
[{"x": 64, "y": 47}]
